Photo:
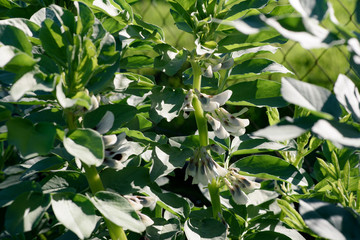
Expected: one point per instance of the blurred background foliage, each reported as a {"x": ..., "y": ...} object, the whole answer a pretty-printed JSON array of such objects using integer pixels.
[{"x": 317, "y": 66}]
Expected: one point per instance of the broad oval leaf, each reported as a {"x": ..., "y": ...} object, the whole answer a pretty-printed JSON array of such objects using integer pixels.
[
  {"x": 330, "y": 221},
  {"x": 13, "y": 36},
  {"x": 123, "y": 113},
  {"x": 287, "y": 128},
  {"x": 317, "y": 99},
  {"x": 85, "y": 144},
  {"x": 266, "y": 166},
  {"x": 31, "y": 140},
  {"x": 202, "y": 229},
  {"x": 163, "y": 229},
  {"x": 340, "y": 134},
  {"x": 256, "y": 67},
  {"x": 259, "y": 92},
  {"x": 127, "y": 180},
  {"x": 167, "y": 102},
  {"x": 75, "y": 212},
  {"x": 26, "y": 212},
  {"x": 118, "y": 210},
  {"x": 348, "y": 95},
  {"x": 166, "y": 159}
]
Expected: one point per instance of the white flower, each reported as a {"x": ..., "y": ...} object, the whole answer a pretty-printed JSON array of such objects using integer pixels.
[
  {"x": 118, "y": 152},
  {"x": 203, "y": 168},
  {"x": 210, "y": 103},
  {"x": 187, "y": 105},
  {"x": 223, "y": 123},
  {"x": 239, "y": 186},
  {"x": 137, "y": 203}
]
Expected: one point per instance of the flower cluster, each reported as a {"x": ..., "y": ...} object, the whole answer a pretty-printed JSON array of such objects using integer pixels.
[
  {"x": 239, "y": 186},
  {"x": 222, "y": 122},
  {"x": 117, "y": 148},
  {"x": 138, "y": 202},
  {"x": 203, "y": 168}
]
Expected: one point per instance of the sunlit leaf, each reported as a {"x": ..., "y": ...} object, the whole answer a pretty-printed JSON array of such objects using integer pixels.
[
  {"x": 266, "y": 166},
  {"x": 167, "y": 102},
  {"x": 166, "y": 159},
  {"x": 13, "y": 36},
  {"x": 329, "y": 221},
  {"x": 312, "y": 97},
  {"x": 287, "y": 128},
  {"x": 86, "y": 145},
  {"x": 75, "y": 212},
  {"x": 163, "y": 229},
  {"x": 348, "y": 95},
  {"x": 25, "y": 212},
  {"x": 118, "y": 210},
  {"x": 257, "y": 92},
  {"x": 204, "y": 229},
  {"x": 340, "y": 134}
]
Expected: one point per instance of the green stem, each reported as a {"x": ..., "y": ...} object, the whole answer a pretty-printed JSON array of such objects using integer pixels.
[
  {"x": 116, "y": 232},
  {"x": 215, "y": 198},
  {"x": 158, "y": 211},
  {"x": 201, "y": 120}
]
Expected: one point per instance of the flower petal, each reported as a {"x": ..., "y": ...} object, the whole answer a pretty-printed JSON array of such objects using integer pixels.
[
  {"x": 221, "y": 98},
  {"x": 105, "y": 123}
]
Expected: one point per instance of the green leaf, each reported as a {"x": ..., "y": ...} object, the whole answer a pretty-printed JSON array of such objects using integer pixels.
[
  {"x": 170, "y": 62},
  {"x": 266, "y": 166},
  {"x": 75, "y": 212},
  {"x": 44, "y": 165},
  {"x": 167, "y": 102},
  {"x": 29, "y": 82},
  {"x": 204, "y": 229},
  {"x": 86, "y": 145},
  {"x": 329, "y": 220},
  {"x": 257, "y": 92},
  {"x": 64, "y": 181},
  {"x": 13, "y": 36},
  {"x": 127, "y": 180},
  {"x": 248, "y": 144},
  {"x": 256, "y": 67},
  {"x": 53, "y": 41},
  {"x": 136, "y": 61},
  {"x": 348, "y": 95},
  {"x": 244, "y": 5},
  {"x": 166, "y": 159},
  {"x": 5, "y": 113},
  {"x": 85, "y": 18},
  {"x": 287, "y": 128},
  {"x": 31, "y": 140},
  {"x": 316, "y": 37},
  {"x": 307, "y": 8},
  {"x": 181, "y": 17},
  {"x": 340, "y": 134},
  {"x": 9, "y": 194},
  {"x": 12, "y": 59},
  {"x": 317, "y": 99},
  {"x": 123, "y": 113},
  {"x": 118, "y": 210},
  {"x": 267, "y": 235},
  {"x": 25, "y": 213},
  {"x": 163, "y": 229},
  {"x": 28, "y": 27}
]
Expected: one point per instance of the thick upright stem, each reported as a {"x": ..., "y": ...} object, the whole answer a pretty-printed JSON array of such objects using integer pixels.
[
  {"x": 96, "y": 185},
  {"x": 215, "y": 198},
  {"x": 201, "y": 120}
]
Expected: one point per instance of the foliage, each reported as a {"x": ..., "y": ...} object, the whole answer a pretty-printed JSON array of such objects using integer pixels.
[{"x": 93, "y": 148}]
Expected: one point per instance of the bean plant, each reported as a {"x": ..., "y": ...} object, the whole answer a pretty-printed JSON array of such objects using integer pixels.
[{"x": 107, "y": 131}]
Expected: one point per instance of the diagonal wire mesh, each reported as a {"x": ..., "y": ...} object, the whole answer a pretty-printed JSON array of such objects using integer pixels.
[{"x": 318, "y": 66}]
